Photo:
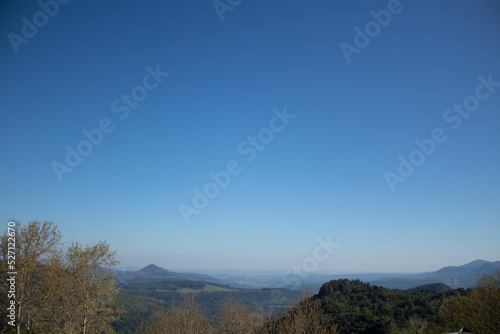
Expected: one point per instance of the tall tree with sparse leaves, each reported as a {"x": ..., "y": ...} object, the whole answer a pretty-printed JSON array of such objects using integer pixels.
[
  {"x": 35, "y": 246},
  {"x": 60, "y": 292},
  {"x": 479, "y": 311}
]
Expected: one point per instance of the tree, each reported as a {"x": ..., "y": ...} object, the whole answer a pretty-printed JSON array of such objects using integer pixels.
[
  {"x": 35, "y": 245},
  {"x": 187, "y": 319},
  {"x": 57, "y": 317},
  {"x": 159, "y": 323},
  {"x": 91, "y": 287},
  {"x": 415, "y": 325},
  {"x": 307, "y": 317},
  {"x": 59, "y": 292},
  {"x": 234, "y": 317},
  {"x": 487, "y": 294},
  {"x": 479, "y": 311},
  {"x": 192, "y": 319}
]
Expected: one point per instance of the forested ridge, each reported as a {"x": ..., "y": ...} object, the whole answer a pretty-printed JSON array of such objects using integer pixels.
[
  {"x": 361, "y": 308},
  {"x": 72, "y": 290},
  {"x": 211, "y": 295}
]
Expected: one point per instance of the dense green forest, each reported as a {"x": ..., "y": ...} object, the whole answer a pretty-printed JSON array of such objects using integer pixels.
[
  {"x": 358, "y": 307},
  {"x": 144, "y": 299},
  {"x": 211, "y": 295},
  {"x": 136, "y": 310}
]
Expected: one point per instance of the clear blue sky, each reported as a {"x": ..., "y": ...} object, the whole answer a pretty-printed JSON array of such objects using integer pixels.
[{"x": 323, "y": 174}]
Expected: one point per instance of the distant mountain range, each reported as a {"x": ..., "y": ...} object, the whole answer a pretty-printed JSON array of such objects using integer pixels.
[
  {"x": 478, "y": 267},
  {"x": 153, "y": 273},
  {"x": 464, "y": 276}
]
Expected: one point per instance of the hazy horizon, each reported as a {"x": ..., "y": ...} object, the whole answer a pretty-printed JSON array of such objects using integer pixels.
[
  {"x": 280, "y": 271},
  {"x": 328, "y": 136}
]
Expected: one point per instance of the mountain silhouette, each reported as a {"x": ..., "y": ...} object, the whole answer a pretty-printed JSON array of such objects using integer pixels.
[
  {"x": 464, "y": 276},
  {"x": 153, "y": 273}
]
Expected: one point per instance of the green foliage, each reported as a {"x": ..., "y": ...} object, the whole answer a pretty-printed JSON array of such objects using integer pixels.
[
  {"x": 307, "y": 317},
  {"x": 188, "y": 318},
  {"x": 435, "y": 287},
  {"x": 415, "y": 325},
  {"x": 358, "y": 307},
  {"x": 59, "y": 291},
  {"x": 138, "y": 308},
  {"x": 210, "y": 296},
  {"x": 478, "y": 311},
  {"x": 234, "y": 317},
  {"x": 354, "y": 306},
  {"x": 142, "y": 300}
]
